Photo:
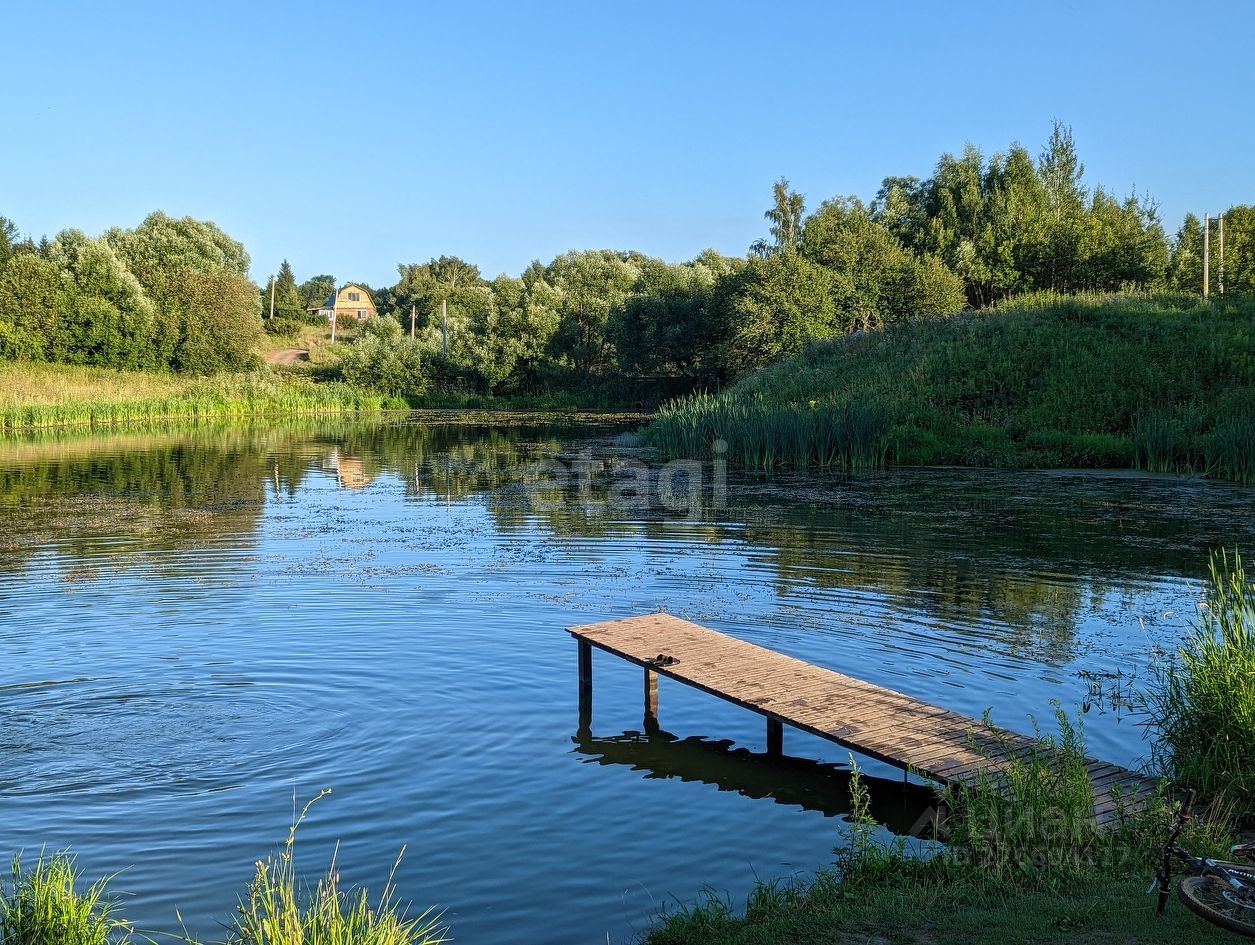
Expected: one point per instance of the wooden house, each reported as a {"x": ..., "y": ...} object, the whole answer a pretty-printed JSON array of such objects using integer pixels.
[{"x": 352, "y": 301}]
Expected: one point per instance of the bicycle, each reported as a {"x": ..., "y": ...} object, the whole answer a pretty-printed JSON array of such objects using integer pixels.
[{"x": 1222, "y": 893}]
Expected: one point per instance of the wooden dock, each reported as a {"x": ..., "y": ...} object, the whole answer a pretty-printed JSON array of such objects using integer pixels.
[{"x": 923, "y": 739}]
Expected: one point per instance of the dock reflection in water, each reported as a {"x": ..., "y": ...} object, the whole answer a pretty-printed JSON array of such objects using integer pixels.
[{"x": 904, "y": 808}]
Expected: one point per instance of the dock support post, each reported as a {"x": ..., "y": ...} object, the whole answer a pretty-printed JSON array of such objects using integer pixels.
[
  {"x": 584, "y": 731},
  {"x": 775, "y": 737},
  {"x": 586, "y": 668},
  {"x": 651, "y": 699}
]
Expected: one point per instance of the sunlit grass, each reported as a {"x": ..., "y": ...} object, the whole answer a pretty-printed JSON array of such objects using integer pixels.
[
  {"x": 42, "y": 905},
  {"x": 280, "y": 909},
  {"x": 41, "y": 396}
]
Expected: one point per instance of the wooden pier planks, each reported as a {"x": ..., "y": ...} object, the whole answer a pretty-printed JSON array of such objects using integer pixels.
[{"x": 935, "y": 743}]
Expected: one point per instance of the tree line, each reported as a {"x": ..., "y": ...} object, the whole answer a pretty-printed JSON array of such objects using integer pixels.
[
  {"x": 979, "y": 231},
  {"x": 168, "y": 295},
  {"x": 174, "y": 294}
]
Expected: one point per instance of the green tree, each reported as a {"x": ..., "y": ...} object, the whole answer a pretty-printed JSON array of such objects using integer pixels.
[
  {"x": 424, "y": 286},
  {"x": 30, "y": 309},
  {"x": 106, "y": 319},
  {"x": 785, "y": 217},
  {"x": 876, "y": 279},
  {"x": 1061, "y": 171},
  {"x": 315, "y": 292},
  {"x": 1010, "y": 224},
  {"x": 1239, "y": 259},
  {"x": 1121, "y": 243},
  {"x": 666, "y": 328},
  {"x": 1185, "y": 263},
  {"x": 773, "y": 307},
  {"x": 588, "y": 287},
  {"x": 9, "y": 239},
  {"x": 288, "y": 302},
  {"x": 163, "y": 252},
  {"x": 221, "y": 330}
]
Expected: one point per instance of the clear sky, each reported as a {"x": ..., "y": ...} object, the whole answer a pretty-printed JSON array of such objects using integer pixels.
[{"x": 350, "y": 136}]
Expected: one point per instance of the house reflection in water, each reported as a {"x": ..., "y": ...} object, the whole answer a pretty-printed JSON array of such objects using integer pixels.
[{"x": 350, "y": 473}]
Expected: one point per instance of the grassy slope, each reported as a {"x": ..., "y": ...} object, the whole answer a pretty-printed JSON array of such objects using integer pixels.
[
  {"x": 49, "y": 395},
  {"x": 1159, "y": 382}
]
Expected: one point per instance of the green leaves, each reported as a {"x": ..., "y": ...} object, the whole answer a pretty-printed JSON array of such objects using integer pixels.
[{"x": 1009, "y": 224}]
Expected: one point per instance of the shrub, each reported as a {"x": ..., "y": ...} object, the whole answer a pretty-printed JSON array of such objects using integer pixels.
[
  {"x": 383, "y": 359},
  {"x": 283, "y": 327},
  {"x": 221, "y": 329}
]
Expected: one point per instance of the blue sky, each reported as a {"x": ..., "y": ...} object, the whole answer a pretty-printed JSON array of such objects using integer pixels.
[{"x": 348, "y": 137}]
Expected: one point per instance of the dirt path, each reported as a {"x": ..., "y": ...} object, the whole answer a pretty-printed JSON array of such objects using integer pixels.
[{"x": 286, "y": 357}]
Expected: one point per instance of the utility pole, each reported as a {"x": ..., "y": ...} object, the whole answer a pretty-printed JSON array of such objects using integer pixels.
[
  {"x": 444, "y": 326},
  {"x": 1206, "y": 255},
  {"x": 1221, "y": 273},
  {"x": 334, "y": 296},
  {"x": 272, "y": 298},
  {"x": 412, "y": 316}
]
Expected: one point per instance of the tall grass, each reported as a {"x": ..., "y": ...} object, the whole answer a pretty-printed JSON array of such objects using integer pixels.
[
  {"x": 36, "y": 397},
  {"x": 1231, "y": 449},
  {"x": 280, "y": 910},
  {"x": 760, "y": 434},
  {"x": 1158, "y": 382},
  {"x": 41, "y": 905},
  {"x": 1201, "y": 704}
]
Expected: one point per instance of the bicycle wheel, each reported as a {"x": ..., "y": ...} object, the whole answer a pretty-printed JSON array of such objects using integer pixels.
[{"x": 1217, "y": 902}]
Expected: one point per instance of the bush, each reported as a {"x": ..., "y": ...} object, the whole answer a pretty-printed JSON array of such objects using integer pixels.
[
  {"x": 283, "y": 327},
  {"x": 1201, "y": 704},
  {"x": 383, "y": 359}
]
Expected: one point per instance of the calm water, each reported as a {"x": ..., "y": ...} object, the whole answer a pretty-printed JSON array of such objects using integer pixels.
[{"x": 195, "y": 625}]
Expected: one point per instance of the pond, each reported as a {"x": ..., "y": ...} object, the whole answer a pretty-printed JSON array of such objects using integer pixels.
[{"x": 200, "y": 625}]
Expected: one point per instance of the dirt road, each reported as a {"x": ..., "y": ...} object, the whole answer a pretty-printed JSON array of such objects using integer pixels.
[{"x": 286, "y": 357}]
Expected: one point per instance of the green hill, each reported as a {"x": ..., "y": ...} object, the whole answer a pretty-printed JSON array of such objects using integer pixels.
[{"x": 1164, "y": 383}]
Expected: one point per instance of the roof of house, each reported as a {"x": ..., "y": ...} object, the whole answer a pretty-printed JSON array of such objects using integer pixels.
[{"x": 331, "y": 299}]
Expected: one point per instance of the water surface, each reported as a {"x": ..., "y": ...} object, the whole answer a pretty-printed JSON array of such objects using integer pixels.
[{"x": 197, "y": 624}]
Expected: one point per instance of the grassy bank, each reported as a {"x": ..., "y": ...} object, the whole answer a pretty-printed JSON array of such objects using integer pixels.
[
  {"x": 909, "y": 911},
  {"x": 39, "y": 396},
  {"x": 1022, "y": 862},
  {"x": 1156, "y": 382}
]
